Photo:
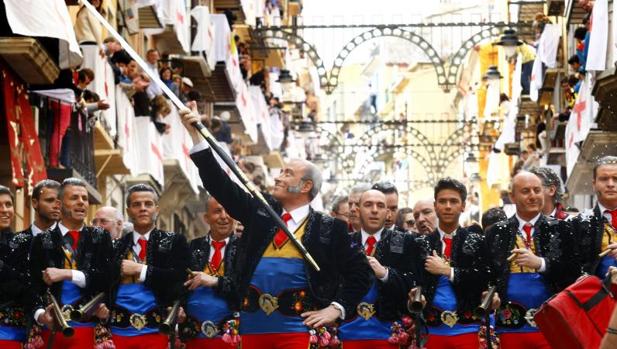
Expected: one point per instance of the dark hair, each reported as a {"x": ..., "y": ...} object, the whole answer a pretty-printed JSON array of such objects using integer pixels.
[
  {"x": 122, "y": 57},
  {"x": 164, "y": 69},
  {"x": 152, "y": 50},
  {"x": 452, "y": 184},
  {"x": 194, "y": 95},
  {"x": 503, "y": 97},
  {"x": 492, "y": 216},
  {"x": 574, "y": 59},
  {"x": 605, "y": 160},
  {"x": 401, "y": 214},
  {"x": 71, "y": 181},
  {"x": 385, "y": 187},
  {"x": 549, "y": 178},
  {"x": 45, "y": 183},
  {"x": 84, "y": 73},
  {"x": 338, "y": 201},
  {"x": 580, "y": 33},
  {"x": 6, "y": 191},
  {"x": 140, "y": 187}
]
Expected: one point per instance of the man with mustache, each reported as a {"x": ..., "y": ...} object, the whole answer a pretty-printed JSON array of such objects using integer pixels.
[
  {"x": 284, "y": 298},
  {"x": 149, "y": 267},
  {"x": 597, "y": 228},
  {"x": 391, "y": 256},
  {"x": 73, "y": 261},
  {"x": 454, "y": 274},
  {"x": 425, "y": 217},
  {"x": 531, "y": 257},
  {"x": 209, "y": 306}
]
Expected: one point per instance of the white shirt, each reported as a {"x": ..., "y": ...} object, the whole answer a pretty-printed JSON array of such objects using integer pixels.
[
  {"x": 137, "y": 249},
  {"x": 521, "y": 231},
  {"x": 297, "y": 217},
  {"x": 78, "y": 277},
  {"x": 36, "y": 230},
  {"x": 377, "y": 237},
  {"x": 604, "y": 213},
  {"x": 212, "y": 248},
  {"x": 442, "y": 236}
]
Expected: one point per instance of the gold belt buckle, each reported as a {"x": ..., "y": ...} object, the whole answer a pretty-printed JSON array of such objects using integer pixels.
[
  {"x": 138, "y": 321},
  {"x": 529, "y": 317},
  {"x": 268, "y": 303},
  {"x": 449, "y": 318},
  {"x": 66, "y": 312},
  {"x": 209, "y": 329},
  {"x": 365, "y": 310}
]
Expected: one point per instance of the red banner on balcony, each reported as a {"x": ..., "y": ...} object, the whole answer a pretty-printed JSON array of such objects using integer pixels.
[{"x": 22, "y": 135}]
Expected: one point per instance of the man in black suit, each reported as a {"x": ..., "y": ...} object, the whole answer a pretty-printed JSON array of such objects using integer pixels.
[
  {"x": 73, "y": 261},
  {"x": 391, "y": 255},
  {"x": 210, "y": 305},
  {"x": 283, "y": 296},
  {"x": 531, "y": 257},
  {"x": 149, "y": 269},
  {"x": 455, "y": 272}
]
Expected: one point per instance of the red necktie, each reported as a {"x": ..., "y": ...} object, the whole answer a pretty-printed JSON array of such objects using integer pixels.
[
  {"x": 527, "y": 229},
  {"x": 280, "y": 238},
  {"x": 142, "y": 248},
  {"x": 447, "y": 251},
  {"x": 613, "y": 214},
  {"x": 217, "y": 257},
  {"x": 74, "y": 234},
  {"x": 370, "y": 245}
]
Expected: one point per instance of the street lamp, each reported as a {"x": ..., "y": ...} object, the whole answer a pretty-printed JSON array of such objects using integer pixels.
[
  {"x": 492, "y": 75},
  {"x": 509, "y": 41},
  {"x": 286, "y": 80}
]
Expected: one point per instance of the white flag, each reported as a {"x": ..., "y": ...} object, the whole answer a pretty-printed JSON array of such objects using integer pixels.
[
  {"x": 536, "y": 79},
  {"x": 549, "y": 42},
  {"x": 598, "y": 39}
]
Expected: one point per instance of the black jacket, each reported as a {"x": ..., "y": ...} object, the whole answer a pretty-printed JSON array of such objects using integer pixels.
[
  {"x": 553, "y": 240},
  {"x": 93, "y": 257},
  {"x": 469, "y": 263},
  {"x": 396, "y": 250},
  {"x": 344, "y": 275},
  {"x": 167, "y": 257},
  {"x": 589, "y": 230},
  {"x": 200, "y": 254}
]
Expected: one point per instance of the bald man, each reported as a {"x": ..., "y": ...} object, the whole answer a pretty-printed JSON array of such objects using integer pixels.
[
  {"x": 544, "y": 262},
  {"x": 425, "y": 216},
  {"x": 110, "y": 219}
]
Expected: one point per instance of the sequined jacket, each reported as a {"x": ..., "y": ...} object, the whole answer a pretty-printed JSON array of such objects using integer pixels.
[
  {"x": 589, "y": 230},
  {"x": 344, "y": 276},
  {"x": 93, "y": 258},
  {"x": 200, "y": 255},
  {"x": 167, "y": 256},
  {"x": 467, "y": 259},
  {"x": 553, "y": 240},
  {"x": 395, "y": 251}
]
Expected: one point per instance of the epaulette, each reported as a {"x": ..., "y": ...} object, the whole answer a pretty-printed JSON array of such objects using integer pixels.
[{"x": 551, "y": 221}]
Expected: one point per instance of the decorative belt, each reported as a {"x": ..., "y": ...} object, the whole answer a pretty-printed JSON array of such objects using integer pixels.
[
  {"x": 12, "y": 317},
  {"x": 515, "y": 315},
  {"x": 435, "y": 317},
  {"x": 122, "y": 318},
  {"x": 290, "y": 302},
  {"x": 192, "y": 327},
  {"x": 364, "y": 310}
]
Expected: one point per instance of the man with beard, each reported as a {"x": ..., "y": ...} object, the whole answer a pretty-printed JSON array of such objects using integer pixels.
[
  {"x": 531, "y": 257},
  {"x": 391, "y": 194},
  {"x": 72, "y": 261},
  {"x": 597, "y": 229},
  {"x": 150, "y": 265},
  {"x": 455, "y": 272},
  {"x": 391, "y": 256},
  {"x": 425, "y": 217},
  {"x": 284, "y": 297},
  {"x": 354, "y": 206},
  {"x": 209, "y": 306}
]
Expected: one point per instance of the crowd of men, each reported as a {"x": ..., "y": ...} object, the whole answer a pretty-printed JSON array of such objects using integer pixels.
[{"x": 377, "y": 286}]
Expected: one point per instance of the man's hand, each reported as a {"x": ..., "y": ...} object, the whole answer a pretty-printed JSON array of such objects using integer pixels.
[
  {"x": 102, "y": 105},
  {"x": 201, "y": 279},
  {"x": 496, "y": 300},
  {"x": 613, "y": 248},
  {"x": 130, "y": 268},
  {"x": 324, "y": 317},
  {"x": 436, "y": 265},
  {"x": 526, "y": 258},
  {"x": 378, "y": 269},
  {"x": 46, "y": 318},
  {"x": 188, "y": 119},
  {"x": 102, "y": 312},
  {"x": 612, "y": 273},
  {"x": 53, "y": 275}
]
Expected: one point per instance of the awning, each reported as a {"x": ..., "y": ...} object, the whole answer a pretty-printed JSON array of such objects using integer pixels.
[
  {"x": 29, "y": 60},
  {"x": 174, "y": 37},
  {"x": 49, "y": 18},
  {"x": 596, "y": 145}
]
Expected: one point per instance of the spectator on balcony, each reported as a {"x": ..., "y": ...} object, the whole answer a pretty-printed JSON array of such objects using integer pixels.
[
  {"x": 88, "y": 30},
  {"x": 152, "y": 61},
  {"x": 185, "y": 89},
  {"x": 87, "y": 99},
  {"x": 579, "y": 35},
  {"x": 220, "y": 128},
  {"x": 261, "y": 79},
  {"x": 120, "y": 61},
  {"x": 166, "y": 76}
]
